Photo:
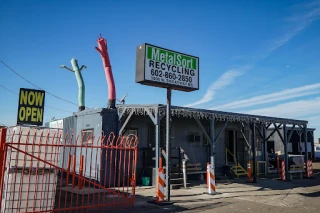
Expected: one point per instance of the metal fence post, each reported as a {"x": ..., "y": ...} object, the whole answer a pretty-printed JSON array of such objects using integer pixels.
[{"x": 3, "y": 134}]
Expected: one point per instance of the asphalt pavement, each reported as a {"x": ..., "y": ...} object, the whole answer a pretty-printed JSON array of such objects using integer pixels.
[{"x": 267, "y": 195}]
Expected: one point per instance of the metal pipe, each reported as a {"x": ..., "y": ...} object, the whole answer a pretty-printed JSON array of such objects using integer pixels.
[
  {"x": 168, "y": 143},
  {"x": 3, "y": 148},
  {"x": 265, "y": 144},
  {"x": 305, "y": 144},
  {"x": 300, "y": 150},
  {"x": 184, "y": 170},
  {"x": 157, "y": 148},
  {"x": 254, "y": 153},
  {"x": 285, "y": 141},
  {"x": 212, "y": 147}
]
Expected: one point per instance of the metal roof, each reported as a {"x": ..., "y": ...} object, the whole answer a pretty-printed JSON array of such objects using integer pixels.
[
  {"x": 89, "y": 111},
  {"x": 178, "y": 111}
]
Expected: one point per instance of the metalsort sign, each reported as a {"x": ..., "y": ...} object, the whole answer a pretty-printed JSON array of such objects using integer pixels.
[
  {"x": 31, "y": 106},
  {"x": 160, "y": 67}
]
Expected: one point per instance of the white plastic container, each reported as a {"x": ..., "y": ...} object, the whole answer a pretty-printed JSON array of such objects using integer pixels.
[
  {"x": 30, "y": 177},
  {"x": 27, "y": 191}
]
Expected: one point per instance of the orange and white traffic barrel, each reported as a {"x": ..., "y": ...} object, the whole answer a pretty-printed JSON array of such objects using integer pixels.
[
  {"x": 211, "y": 180},
  {"x": 309, "y": 168},
  {"x": 160, "y": 186}
]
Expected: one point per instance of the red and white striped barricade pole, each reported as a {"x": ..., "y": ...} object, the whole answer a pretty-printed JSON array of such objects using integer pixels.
[
  {"x": 211, "y": 180},
  {"x": 309, "y": 168},
  {"x": 160, "y": 186},
  {"x": 283, "y": 170}
]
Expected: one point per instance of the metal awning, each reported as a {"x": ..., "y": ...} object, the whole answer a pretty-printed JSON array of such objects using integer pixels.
[{"x": 177, "y": 111}]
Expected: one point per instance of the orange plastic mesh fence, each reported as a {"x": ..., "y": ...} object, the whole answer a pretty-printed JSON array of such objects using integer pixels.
[{"x": 46, "y": 171}]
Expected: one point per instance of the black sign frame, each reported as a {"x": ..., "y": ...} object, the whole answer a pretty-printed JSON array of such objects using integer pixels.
[
  {"x": 141, "y": 70},
  {"x": 23, "y": 107}
]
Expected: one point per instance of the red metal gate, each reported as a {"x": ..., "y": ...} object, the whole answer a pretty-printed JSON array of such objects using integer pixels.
[{"x": 43, "y": 170}]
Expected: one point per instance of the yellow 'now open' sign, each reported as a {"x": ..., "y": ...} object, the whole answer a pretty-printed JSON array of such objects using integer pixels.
[{"x": 31, "y": 106}]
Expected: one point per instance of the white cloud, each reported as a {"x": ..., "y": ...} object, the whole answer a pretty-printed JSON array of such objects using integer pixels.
[
  {"x": 223, "y": 81},
  {"x": 273, "y": 97},
  {"x": 313, "y": 3},
  {"x": 300, "y": 21},
  {"x": 292, "y": 109}
]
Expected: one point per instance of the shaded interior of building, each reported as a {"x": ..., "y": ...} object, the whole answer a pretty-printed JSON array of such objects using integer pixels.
[
  {"x": 192, "y": 137},
  {"x": 197, "y": 137}
]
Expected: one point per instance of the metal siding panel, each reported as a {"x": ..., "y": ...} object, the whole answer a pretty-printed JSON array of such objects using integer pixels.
[
  {"x": 196, "y": 152},
  {"x": 69, "y": 129},
  {"x": 92, "y": 156},
  {"x": 109, "y": 124}
]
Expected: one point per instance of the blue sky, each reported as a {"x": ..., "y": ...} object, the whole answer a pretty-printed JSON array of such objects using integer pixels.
[{"x": 258, "y": 57}]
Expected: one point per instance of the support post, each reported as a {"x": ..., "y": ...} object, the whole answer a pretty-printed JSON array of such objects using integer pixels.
[
  {"x": 3, "y": 135},
  {"x": 184, "y": 171},
  {"x": 279, "y": 133},
  {"x": 254, "y": 152},
  {"x": 212, "y": 147},
  {"x": 157, "y": 139},
  {"x": 220, "y": 132},
  {"x": 265, "y": 143},
  {"x": 291, "y": 133},
  {"x": 286, "y": 158},
  {"x": 244, "y": 136},
  {"x": 168, "y": 144},
  {"x": 305, "y": 144},
  {"x": 203, "y": 130},
  {"x": 126, "y": 122},
  {"x": 300, "y": 150},
  {"x": 312, "y": 145},
  {"x": 275, "y": 129}
]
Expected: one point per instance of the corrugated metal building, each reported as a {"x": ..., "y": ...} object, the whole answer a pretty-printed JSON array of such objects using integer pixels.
[
  {"x": 192, "y": 129},
  {"x": 296, "y": 144},
  {"x": 199, "y": 133},
  {"x": 86, "y": 124}
]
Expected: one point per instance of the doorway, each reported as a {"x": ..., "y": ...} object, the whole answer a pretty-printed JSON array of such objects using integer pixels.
[
  {"x": 270, "y": 147},
  {"x": 231, "y": 146}
]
